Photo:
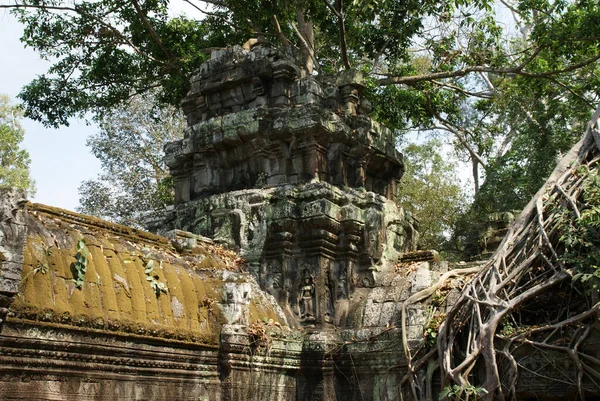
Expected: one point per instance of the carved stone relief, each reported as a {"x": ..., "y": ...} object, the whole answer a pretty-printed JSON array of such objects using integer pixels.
[
  {"x": 306, "y": 298},
  {"x": 13, "y": 236}
]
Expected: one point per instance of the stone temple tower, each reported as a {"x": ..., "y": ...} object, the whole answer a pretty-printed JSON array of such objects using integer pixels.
[{"x": 289, "y": 169}]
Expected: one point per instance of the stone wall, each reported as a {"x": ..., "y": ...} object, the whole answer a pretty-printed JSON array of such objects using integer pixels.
[{"x": 115, "y": 337}]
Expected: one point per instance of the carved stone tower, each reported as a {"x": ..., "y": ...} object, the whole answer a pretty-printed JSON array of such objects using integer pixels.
[{"x": 290, "y": 169}]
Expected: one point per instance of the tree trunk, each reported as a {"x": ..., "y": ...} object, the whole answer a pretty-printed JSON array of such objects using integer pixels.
[
  {"x": 475, "y": 171},
  {"x": 307, "y": 31}
]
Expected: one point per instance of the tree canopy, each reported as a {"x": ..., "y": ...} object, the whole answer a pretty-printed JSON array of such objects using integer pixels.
[
  {"x": 426, "y": 56},
  {"x": 134, "y": 182},
  {"x": 430, "y": 190},
  {"x": 14, "y": 161},
  {"x": 507, "y": 80}
]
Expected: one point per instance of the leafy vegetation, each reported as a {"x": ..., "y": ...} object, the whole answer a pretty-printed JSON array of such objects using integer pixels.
[
  {"x": 134, "y": 183},
  {"x": 81, "y": 262},
  {"x": 14, "y": 162},
  {"x": 430, "y": 190},
  {"x": 579, "y": 230},
  {"x": 456, "y": 392},
  {"x": 157, "y": 286}
]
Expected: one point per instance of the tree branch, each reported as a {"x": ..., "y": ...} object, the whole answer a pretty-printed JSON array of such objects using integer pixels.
[
  {"x": 517, "y": 70},
  {"x": 75, "y": 10},
  {"x": 482, "y": 95},
  {"x": 337, "y": 11},
  {"x": 285, "y": 41},
  {"x": 154, "y": 35},
  {"x": 307, "y": 48}
]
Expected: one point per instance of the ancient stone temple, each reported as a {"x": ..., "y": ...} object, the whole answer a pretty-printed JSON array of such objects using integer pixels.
[
  {"x": 284, "y": 272},
  {"x": 289, "y": 169}
]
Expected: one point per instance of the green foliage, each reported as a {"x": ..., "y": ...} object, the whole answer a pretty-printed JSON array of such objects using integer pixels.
[
  {"x": 542, "y": 122},
  {"x": 468, "y": 392},
  {"x": 42, "y": 268},
  {"x": 534, "y": 118},
  {"x": 581, "y": 235},
  {"x": 429, "y": 190},
  {"x": 431, "y": 329},
  {"x": 81, "y": 262},
  {"x": 14, "y": 162},
  {"x": 508, "y": 329},
  {"x": 135, "y": 182},
  {"x": 157, "y": 286},
  {"x": 521, "y": 131},
  {"x": 104, "y": 51}
]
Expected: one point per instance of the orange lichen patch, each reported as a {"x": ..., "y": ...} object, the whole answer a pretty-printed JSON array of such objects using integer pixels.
[
  {"x": 105, "y": 283},
  {"x": 188, "y": 297},
  {"x": 260, "y": 311},
  {"x": 117, "y": 293}
]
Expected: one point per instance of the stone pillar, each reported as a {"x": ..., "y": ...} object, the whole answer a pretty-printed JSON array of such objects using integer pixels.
[
  {"x": 275, "y": 275},
  {"x": 13, "y": 237},
  {"x": 317, "y": 379},
  {"x": 284, "y": 74}
]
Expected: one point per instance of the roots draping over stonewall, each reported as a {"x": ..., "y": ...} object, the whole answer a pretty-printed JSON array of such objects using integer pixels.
[{"x": 530, "y": 315}]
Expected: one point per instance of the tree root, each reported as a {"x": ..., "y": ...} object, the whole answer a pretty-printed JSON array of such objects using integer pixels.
[{"x": 506, "y": 314}]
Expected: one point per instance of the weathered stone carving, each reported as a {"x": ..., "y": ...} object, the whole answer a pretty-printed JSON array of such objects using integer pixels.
[
  {"x": 289, "y": 169},
  {"x": 243, "y": 133},
  {"x": 306, "y": 298},
  {"x": 13, "y": 236},
  {"x": 236, "y": 303}
]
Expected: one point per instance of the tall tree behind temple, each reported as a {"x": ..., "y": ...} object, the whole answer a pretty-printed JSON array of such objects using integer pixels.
[
  {"x": 134, "y": 181},
  {"x": 424, "y": 56},
  {"x": 14, "y": 162},
  {"x": 430, "y": 190}
]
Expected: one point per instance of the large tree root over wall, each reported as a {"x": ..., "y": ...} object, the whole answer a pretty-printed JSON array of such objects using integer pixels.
[{"x": 536, "y": 299}]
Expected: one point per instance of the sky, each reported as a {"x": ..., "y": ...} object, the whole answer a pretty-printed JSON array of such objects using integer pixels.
[{"x": 60, "y": 160}]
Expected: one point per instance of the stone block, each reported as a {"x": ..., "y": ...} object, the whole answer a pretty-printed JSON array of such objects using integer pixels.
[
  {"x": 371, "y": 314},
  {"x": 260, "y": 101},
  {"x": 277, "y": 179},
  {"x": 421, "y": 279}
]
